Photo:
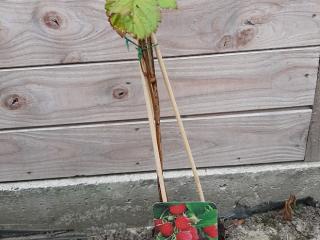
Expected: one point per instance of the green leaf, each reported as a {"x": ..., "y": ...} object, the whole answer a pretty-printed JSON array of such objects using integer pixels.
[
  {"x": 159, "y": 237},
  {"x": 197, "y": 208},
  {"x": 168, "y": 4},
  {"x": 208, "y": 218},
  {"x": 160, "y": 210},
  {"x": 139, "y": 18},
  {"x": 202, "y": 214}
]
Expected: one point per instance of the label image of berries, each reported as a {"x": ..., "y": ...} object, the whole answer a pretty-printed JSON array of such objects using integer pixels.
[{"x": 185, "y": 221}]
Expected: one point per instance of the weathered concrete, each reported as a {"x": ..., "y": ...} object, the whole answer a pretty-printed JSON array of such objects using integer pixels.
[
  {"x": 108, "y": 201},
  {"x": 305, "y": 225}
]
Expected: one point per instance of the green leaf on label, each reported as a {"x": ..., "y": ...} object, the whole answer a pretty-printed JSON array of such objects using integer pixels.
[
  {"x": 196, "y": 208},
  {"x": 159, "y": 237},
  {"x": 208, "y": 218},
  {"x": 192, "y": 217},
  {"x": 200, "y": 208},
  {"x": 168, "y": 4},
  {"x": 159, "y": 211}
]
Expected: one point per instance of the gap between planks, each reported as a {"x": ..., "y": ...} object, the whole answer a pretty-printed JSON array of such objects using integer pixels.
[
  {"x": 191, "y": 56},
  {"x": 248, "y": 113}
]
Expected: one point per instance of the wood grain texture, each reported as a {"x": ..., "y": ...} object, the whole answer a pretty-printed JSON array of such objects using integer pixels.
[
  {"x": 313, "y": 144},
  {"x": 233, "y": 139},
  {"x": 68, "y": 31},
  {"x": 113, "y": 91}
]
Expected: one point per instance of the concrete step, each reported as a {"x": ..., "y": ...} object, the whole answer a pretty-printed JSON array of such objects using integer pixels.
[{"x": 110, "y": 202}]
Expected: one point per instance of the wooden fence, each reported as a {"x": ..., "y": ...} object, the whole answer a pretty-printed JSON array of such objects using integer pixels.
[{"x": 244, "y": 73}]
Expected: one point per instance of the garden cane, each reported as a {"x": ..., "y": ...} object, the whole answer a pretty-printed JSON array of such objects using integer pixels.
[{"x": 178, "y": 116}]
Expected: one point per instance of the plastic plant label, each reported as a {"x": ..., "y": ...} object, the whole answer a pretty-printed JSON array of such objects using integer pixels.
[{"x": 185, "y": 221}]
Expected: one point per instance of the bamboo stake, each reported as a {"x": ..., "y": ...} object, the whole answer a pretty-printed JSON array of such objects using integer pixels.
[
  {"x": 152, "y": 126},
  {"x": 178, "y": 117}
]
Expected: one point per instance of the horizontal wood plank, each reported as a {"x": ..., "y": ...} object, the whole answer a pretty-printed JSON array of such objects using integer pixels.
[
  {"x": 221, "y": 140},
  {"x": 68, "y": 31},
  {"x": 112, "y": 91}
]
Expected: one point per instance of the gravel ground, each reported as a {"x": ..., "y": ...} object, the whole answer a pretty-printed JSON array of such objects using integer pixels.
[
  {"x": 271, "y": 226},
  {"x": 267, "y": 226}
]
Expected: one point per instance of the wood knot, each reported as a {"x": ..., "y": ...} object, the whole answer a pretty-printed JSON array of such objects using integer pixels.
[
  {"x": 14, "y": 102},
  {"x": 52, "y": 20},
  {"x": 226, "y": 42},
  {"x": 120, "y": 93},
  {"x": 245, "y": 36}
]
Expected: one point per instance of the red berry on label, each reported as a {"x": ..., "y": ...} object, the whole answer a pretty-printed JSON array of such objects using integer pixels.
[
  {"x": 177, "y": 209},
  {"x": 194, "y": 233},
  {"x": 182, "y": 223},
  {"x": 157, "y": 223},
  {"x": 211, "y": 231},
  {"x": 166, "y": 229},
  {"x": 184, "y": 236}
]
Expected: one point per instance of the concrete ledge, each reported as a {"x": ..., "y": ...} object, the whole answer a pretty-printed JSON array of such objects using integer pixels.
[{"x": 110, "y": 201}]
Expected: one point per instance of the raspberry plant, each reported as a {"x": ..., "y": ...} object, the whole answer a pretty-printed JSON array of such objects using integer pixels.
[{"x": 139, "y": 19}]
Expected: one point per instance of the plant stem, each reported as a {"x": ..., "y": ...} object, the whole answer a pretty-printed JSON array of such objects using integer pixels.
[{"x": 148, "y": 69}]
